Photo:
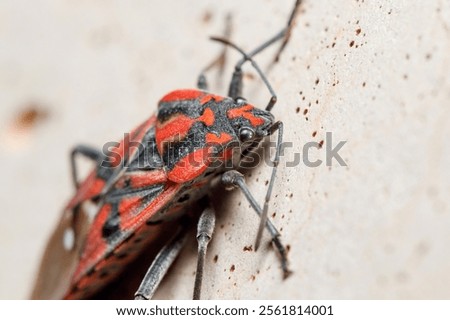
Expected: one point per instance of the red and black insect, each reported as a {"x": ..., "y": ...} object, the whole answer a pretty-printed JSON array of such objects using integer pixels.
[{"x": 195, "y": 138}]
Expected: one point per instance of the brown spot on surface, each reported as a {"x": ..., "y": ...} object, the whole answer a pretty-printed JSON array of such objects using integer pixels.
[
  {"x": 232, "y": 268},
  {"x": 216, "y": 257},
  {"x": 31, "y": 115},
  {"x": 207, "y": 16},
  {"x": 314, "y": 134},
  {"x": 358, "y": 31},
  {"x": 248, "y": 248},
  {"x": 352, "y": 43},
  {"x": 321, "y": 143}
]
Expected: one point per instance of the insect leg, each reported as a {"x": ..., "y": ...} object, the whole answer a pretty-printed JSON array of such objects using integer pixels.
[
  {"x": 232, "y": 179},
  {"x": 205, "y": 229},
  {"x": 88, "y": 152},
  {"x": 161, "y": 264},
  {"x": 276, "y": 126}
]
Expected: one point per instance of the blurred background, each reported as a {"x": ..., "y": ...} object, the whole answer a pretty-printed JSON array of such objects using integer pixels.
[{"x": 374, "y": 74}]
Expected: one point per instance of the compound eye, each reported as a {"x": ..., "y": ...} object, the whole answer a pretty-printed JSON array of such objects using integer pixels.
[
  {"x": 240, "y": 100},
  {"x": 246, "y": 134}
]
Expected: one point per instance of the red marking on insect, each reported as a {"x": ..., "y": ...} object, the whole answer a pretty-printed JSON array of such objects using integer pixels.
[
  {"x": 131, "y": 204},
  {"x": 246, "y": 112},
  {"x": 132, "y": 222},
  {"x": 207, "y": 117},
  {"x": 209, "y": 97},
  {"x": 95, "y": 245},
  {"x": 96, "y": 248},
  {"x": 182, "y": 95},
  {"x": 191, "y": 166},
  {"x": 89, "y": 189},
  {"x": 173, "y": 130},
  {"x": 221, "y": 138},
  {"x": 146, "y": 179}
]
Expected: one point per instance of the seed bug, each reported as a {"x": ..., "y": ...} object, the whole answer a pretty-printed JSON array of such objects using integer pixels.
[{"x": 195, "y": 138}]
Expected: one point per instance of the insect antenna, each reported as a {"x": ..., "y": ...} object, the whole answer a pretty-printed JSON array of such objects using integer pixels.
[
  {"x": 287, "y": 33},
  {"x": 235, "y": 88},
  {"x": 237, "y": 73}
]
